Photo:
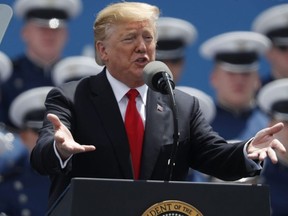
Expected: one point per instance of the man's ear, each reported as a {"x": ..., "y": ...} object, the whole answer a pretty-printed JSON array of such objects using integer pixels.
[{"x": 101, "y": 50}]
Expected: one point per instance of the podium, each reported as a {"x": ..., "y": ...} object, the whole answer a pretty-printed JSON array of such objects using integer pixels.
[{"x": 114, "y": 197}]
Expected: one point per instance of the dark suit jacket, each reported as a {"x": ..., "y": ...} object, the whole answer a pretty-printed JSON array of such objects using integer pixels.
[{"x": 89, "y": 109}]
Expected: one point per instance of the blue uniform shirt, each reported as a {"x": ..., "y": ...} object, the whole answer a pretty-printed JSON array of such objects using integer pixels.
[
  {"x": 26, "y": 75},
  {"x": 238, "y": 126},
  {"x": 276, "y": 177},
  {"x": 22, "y": 190}
]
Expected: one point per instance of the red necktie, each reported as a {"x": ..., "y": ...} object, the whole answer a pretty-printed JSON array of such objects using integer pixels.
[{"x": 135, "y": 130}]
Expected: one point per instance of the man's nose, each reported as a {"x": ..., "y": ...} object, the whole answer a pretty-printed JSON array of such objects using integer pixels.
[{"x": 141, "y": 45}]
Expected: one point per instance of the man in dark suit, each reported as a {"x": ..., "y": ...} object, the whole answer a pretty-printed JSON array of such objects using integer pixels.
[{"x": 84, "y": 133}]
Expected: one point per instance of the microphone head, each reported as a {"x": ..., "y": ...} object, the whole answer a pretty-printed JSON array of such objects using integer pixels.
[{"x": 152, "y": 74}]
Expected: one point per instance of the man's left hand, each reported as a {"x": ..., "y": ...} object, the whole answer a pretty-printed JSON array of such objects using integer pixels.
[{"x": 265, "y": 145}]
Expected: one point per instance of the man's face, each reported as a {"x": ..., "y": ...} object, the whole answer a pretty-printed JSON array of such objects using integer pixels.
[
  {"x": 44, "y": 42},
  {"x": 126, "y": 51},
  {"x": 235, "y": 89}
]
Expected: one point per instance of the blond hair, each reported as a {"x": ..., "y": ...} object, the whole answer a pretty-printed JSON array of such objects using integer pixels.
[{"x": 122, "y": 12}]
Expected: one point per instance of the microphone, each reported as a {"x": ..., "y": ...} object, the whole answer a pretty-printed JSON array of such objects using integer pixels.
[{"x": 158, "y": 77}]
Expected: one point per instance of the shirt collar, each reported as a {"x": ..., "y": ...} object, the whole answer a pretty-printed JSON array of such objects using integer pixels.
[{"x": 120, "y": 89}]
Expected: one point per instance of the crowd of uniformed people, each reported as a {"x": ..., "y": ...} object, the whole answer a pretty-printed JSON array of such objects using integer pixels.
[{"x": 244, "y": 102}]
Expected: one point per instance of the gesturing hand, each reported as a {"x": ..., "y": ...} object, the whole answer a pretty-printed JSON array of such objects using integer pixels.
[
  {"x": 65, "y": 144},
  {"x": 265, "y": 145}
]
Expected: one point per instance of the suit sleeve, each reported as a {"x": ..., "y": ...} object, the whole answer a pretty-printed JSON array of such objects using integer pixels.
[
  {"x": 43, "y": 158},
  {"x": 208, "y": 151}
]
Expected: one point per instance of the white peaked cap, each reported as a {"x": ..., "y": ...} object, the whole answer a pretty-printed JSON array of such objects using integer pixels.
[
  {"x": 206, "y": 102},
  {"x": 71, "y": 7},
  {"x": 239, "y": 51},
  {"x": 74, "y": 68},
  {"x": 174, "y": 28},
  {"x": 273, "y": 18},
  {"x": 273, "y": 99},
  {"x": 233, "y": 42},
  {"x": 173, "y": 36},
  {"x": 26, "y": 103}
]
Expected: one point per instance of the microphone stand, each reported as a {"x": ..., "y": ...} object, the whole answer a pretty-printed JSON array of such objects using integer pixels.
[{"x": 171, "y": 162}]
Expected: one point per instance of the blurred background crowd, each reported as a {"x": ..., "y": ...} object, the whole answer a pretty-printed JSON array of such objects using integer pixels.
[
  {"x": 219, "y": 17},
  {"x": 231, "y": 54}
]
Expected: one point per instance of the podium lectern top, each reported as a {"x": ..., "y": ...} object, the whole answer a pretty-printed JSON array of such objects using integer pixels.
[{"x": 132, "y": 198}]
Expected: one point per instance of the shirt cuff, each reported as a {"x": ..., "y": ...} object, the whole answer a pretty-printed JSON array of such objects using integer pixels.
[
  {"x": 251, "y": 164},
  {"x": 62, "y": 164}
]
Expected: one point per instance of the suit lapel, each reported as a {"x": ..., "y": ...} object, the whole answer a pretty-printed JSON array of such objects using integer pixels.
[
  {"x": 109, "y": 113},
  {"x": 158, "y": 131}
]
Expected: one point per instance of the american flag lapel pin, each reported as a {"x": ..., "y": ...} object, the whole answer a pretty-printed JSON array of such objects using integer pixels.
[{"x": 159, "y": 108}]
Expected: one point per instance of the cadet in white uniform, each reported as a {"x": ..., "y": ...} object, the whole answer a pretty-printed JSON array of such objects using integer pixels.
[
  {"x": 235, "y": 79},
  {"x": 273, "y": 23},
  {"x": 23, "y": 192},
  {"x": 174, "y": 37},
  {"x": 273, "y": 100}
]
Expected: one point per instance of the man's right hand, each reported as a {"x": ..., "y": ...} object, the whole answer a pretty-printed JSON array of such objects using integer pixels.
[{"x": 64, "y": 141}]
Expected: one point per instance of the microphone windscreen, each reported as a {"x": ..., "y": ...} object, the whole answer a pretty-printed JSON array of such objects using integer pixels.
[{"x": 152, "y": 73}]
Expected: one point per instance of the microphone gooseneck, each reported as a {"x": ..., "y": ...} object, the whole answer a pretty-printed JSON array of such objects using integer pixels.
[{"x": 158, "y": 77}]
